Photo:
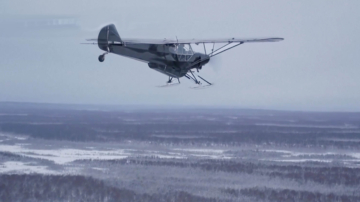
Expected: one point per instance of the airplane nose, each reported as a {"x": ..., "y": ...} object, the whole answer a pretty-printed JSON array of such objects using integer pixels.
[
  {"x": 199, "y": 61},
  {"x": 205, "y": 59}
]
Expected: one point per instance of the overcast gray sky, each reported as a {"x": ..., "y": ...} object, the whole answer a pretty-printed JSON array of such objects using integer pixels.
[{"x": 316, "y": 67}]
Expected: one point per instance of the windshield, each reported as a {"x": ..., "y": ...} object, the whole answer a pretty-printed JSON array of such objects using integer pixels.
[{"x": 181, "y": 49}]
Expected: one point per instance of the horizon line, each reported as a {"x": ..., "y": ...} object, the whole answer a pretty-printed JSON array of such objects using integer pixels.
[{"x": 174, "y": 107}]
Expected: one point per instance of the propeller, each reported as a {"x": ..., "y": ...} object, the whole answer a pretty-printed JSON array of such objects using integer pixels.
[{"x": 215, "y": 63}]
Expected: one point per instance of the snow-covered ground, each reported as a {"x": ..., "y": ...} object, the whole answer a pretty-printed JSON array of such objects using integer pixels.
[
  {"x": 20, "y": 167},
  {"x": 301, "y": 156},
  {"x": 63, "y": 153}
]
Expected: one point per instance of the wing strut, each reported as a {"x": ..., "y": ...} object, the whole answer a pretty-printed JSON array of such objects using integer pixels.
[
  {"x": 212, "y": 54},
  {"x": 216, "y": 52}
]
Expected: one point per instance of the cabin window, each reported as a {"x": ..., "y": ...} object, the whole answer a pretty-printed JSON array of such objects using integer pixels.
[{"x": 183, "y": 51}]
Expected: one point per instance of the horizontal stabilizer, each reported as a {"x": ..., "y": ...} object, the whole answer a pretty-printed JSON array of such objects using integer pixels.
[{"x": 90, "y": 43}]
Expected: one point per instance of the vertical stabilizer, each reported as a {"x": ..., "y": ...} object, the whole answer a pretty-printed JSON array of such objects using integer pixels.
[{"x": 108, "y": 34}]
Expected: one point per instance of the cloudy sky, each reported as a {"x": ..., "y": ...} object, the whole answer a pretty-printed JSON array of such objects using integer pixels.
[{"x": 316, "y": 67}]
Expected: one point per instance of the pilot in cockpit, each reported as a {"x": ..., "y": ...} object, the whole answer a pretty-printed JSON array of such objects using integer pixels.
[{"x": 181, "y": 49}]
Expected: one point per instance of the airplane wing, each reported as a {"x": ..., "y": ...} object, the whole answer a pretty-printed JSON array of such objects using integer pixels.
[
  {"x": 198, "y": 41},
  {"x": 109, "y": 35},
  {"x": 230, "y": 42}
]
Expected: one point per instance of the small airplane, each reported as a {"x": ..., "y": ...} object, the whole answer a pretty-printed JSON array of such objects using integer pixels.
[{"x": 174, "y": 58}]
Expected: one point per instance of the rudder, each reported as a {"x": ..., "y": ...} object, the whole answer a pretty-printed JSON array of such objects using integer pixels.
[{"x": 106, "y": 34}]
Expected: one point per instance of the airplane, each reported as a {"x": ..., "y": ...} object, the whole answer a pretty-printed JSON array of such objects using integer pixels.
[{"x": 174, "y": 58}]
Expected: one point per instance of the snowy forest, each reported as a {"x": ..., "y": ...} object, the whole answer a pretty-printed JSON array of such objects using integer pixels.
[{"x": 103, "y": 153}]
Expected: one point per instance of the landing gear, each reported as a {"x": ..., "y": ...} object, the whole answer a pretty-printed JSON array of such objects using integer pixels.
[
  {"x": 192, "y": 77},
  {"x": 101, "y": 58},
  {"x": 169, "y": 82}
]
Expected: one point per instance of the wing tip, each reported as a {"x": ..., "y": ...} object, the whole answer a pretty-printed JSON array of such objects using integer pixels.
[{"x": 278, "y": 39}]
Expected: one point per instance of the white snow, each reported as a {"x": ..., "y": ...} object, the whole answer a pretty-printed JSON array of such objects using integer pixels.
[
  {"x": 202, "y": 150},
  {"x": 276, "y": 151},
  {"x": 355, "y": 155},
  {"x": 63, "y": 156},
  {"x": 165, "y": 156},
  {"x": 212, "y": 156},
  {"x": 205, "y": 153},
  {"x": 346, "y": 126},
  {"x": 20, "y": 138},
  {"x": 11, "y": 136},
  {"x": 298, "y": 160},
  {"x": 290, "y": 154},
  {"x": 100, "y": 169},
  {"x": 67, "y": 155},
  {"x": 20, "y": 167}
]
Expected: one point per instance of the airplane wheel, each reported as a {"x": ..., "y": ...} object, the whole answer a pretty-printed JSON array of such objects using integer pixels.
[{"x": 101, "y": 58}]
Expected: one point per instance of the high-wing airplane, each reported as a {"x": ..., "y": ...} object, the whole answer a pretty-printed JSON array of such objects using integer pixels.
[{"x": 174, "y": 58}]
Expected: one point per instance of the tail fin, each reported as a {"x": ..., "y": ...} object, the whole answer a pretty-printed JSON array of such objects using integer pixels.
[{"x": 108, "y": 33}]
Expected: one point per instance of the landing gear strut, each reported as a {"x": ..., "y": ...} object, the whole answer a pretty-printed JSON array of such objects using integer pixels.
[
  {"x": 102, "y": 57},
  {"x": 169, "y": 82},
  {"x": 192, "y": 77}
]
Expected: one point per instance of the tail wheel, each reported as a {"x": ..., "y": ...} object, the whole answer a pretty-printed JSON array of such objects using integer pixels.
[{"x": 101, "y": 58}]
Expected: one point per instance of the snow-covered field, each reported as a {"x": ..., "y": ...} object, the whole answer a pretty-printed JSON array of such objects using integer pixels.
[
  {"x": 20, "y": 167},
  {"x": 63, "y": 154},
  {"x": 224, "y": 154}
]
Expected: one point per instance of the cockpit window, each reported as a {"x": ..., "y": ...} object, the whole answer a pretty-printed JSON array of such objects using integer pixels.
[{"x": 183, "y": 51}]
